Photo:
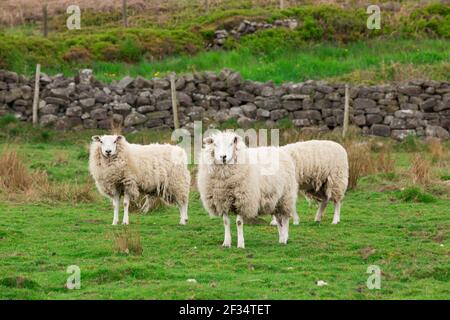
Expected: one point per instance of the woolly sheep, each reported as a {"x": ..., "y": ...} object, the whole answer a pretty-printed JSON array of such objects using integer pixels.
[
  {"x": 120, "y": 168},
  {"x": 234, "y": 179},
  {"x": 321, "y": 168}
]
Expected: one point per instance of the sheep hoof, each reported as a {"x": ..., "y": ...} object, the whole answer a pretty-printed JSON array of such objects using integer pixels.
[
  {"x": 296, "y": 223},
  {"x": 125, "y": 223},
  {"x": 241, "y": 246},
  {"x": 183, "y": 222},
  {"x": 115, "y": 223},
  {"x": 226, "y": 245},
  {"x": 335, "y": 222},
  {"x": 273, "y": 223}
]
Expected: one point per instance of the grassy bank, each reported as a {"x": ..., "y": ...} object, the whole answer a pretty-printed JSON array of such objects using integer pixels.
[{"x": 145, "y": 44}]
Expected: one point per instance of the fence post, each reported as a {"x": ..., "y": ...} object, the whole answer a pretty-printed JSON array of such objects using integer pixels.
[
  {"x": 346, "y": 112},
  {"x": 173, "y": 91},
  {"x": 206, "y": 6},
  {"x": 45, "y": 18},
  {"x": 36, "y": 95},
  {"x": 281, "y": 4},
  {"x": 124, "y": 13}
]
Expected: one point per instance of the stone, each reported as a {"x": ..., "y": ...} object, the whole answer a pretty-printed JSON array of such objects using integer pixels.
[
  {"x": 134, "y": 119},
  {"x": 125, "y": 82},
  {"x": 373, "y": 119},
  {"x": 428, "y": 105},
  {"x": 249, "y": 110},
  {"x": 99, "y": 114},
  {"x": 402, "y": 134},
  {"x": 235, "y": 112},
  {"x": 90, "y": 124},
  {"x": 161, "y": 84},
  {"x": 262, "y": 113},
  {"x": 410, "y": 90},
  {"x": 244, "y": 96},
  {"x": 301, "y": 122},
  {"x": 122, "y": 108},
  {"x": 363, "y": 103},
  {"x": 57, "y": 101},
  {"x": 308, "y": 114},
  {"x": 48, "y": 120},
  {"x": 359, "y": 120},
  {"x": 74, "y": 111},
  {"x": 49, "y": 109},
  {"x": 292, "y": 105},
  {"x": 436, "y": 131},
  {"x": 86, "y": 76},
  {"x": 398, "y": 123},
  {"x": 158, "y": 114},
  {"x": 146, "y": 109},
  {"x": 278, "y": 114},
  {"x": 380, "y": 130},
  {"x": 88, "y": 102},
  {"x": 164, "y": 105},
  {"x": 245, "y": 122}
]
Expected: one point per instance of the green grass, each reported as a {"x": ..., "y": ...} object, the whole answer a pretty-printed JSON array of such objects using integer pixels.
[
  {"x": 382, "y": 58},
  {"x": 39, "y": 240}
]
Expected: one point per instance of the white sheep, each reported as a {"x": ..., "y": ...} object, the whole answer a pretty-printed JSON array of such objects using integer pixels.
[
  {"x": 120, "y": 168},
  {"x": 321, "y": 168},
  {"x": 234, "y": 179}
]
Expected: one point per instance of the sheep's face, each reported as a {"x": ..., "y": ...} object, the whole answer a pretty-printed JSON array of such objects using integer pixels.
[
  {"x": 108, "y": 144},
  {"x": 223, "y": 147}
]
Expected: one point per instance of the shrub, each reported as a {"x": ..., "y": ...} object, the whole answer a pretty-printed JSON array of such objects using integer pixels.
[
  {"x": 414, "y": 194},
  {"x": 77, "y": 55},
  {"x": 7, "y": 119},
  {"x": 435, "y": 148},
  {"x": 130, "y": 50}
]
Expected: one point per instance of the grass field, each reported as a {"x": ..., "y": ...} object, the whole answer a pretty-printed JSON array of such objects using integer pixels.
[{"x": 384, "y": 222}]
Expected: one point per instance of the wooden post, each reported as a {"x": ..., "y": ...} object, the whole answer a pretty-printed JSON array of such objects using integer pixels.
[
  {"x": 124, "y": 13},
  {"x": 36, "y": 95},
  {"x": 206, "y": 6},
  {"x": 346, "y": 112},
  {"x": 45, "y": 20},
  {"x": 173, "y": 91},
  {"x": 281, "y": 4}
]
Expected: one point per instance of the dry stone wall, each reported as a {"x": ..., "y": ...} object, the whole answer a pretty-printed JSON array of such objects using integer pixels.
[{"x": 418, "y": 107}]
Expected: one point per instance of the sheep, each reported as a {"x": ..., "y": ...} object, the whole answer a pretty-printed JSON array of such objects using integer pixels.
[
  {"x": 321, "y": 168},
  {"x": 248, "y": 182},
  {"x": 123, "y": 169}
]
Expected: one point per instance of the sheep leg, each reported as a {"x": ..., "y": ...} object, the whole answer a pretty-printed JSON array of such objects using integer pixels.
[
  {"x": 126, "y": 205},
  {"x": 226, "y": 224},
  {"x": 184, "y": 214},
  {"x": 116, "y": 204},
  {"x": 283, "y": 229},
  {"x": 337, "y": 212},
  {"x": 296, "y": 218},
  {"x": 240, "y": 231},
  {"x": 321, "y": 210},
  {"x": 274, "y": 221}
]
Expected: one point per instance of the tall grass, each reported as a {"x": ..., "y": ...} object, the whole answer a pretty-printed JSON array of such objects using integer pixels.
[{"x": 307, "y": 61}]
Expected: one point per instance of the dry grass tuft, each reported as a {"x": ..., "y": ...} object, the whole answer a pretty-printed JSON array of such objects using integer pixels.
[
  {"x": 128, "y": 240},
  {"x": 61, "y": 158},
  {"x": 436, "y": 149},
  {"x": 14, "y": 176},
  {"x": 385, "y": 163},
  {"x": 18, "y": 183},
  {"x": 360, "y": 162},
  {"x": 420, "y": 170}
]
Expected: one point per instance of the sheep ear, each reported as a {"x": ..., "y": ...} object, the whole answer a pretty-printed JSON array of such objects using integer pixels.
[
  {"x": 96, "y": 138},
  {"x": 208, "y": 140},
  {"x": 119, "y": 137}
]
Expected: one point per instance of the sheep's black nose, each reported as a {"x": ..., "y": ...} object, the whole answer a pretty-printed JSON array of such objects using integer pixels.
[
  {"x": 108, "y": 152},
  {"x": 224, "y": 158}
]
